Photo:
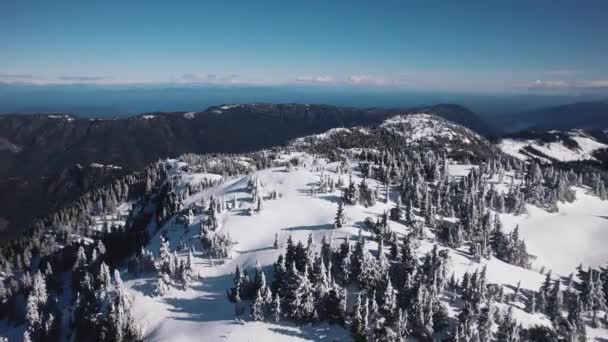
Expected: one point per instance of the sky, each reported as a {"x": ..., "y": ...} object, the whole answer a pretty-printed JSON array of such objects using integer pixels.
[{"x": 463, "y": 46}]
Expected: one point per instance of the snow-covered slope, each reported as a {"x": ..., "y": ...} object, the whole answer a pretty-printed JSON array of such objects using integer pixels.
[
  {"x": 407, "y": 130},
  {"x": 203, "y": 310},
  {"x": 426, "y": 128},
  {"x": 296, "y": 206},
  {"x": 577, "y": 234},
  {"x": 561, "y": 146}
]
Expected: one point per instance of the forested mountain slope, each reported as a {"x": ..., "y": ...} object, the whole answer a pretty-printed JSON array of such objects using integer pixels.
[
  {"x": 406, "y": 230},
  {"x": 38, "y": 151}
]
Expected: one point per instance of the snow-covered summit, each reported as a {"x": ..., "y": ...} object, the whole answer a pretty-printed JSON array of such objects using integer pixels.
[
  {"x": 422, "y": 127},
  {"x": 562, "y": 146},
  {"x": 417, "y": 130}
]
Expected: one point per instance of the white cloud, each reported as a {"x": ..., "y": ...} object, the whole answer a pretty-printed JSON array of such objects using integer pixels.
[
  {"x": 366, "y": 79},
  {"x": 550, "y": 84},
  {"x": 81, "y": 78},
  {"x": 207, "y": 78},
  {"x": 596, "y": 84},
  {"x": 315, "y": 79},
  {"x": 16, "y": 76},
  {"x": 357, "y": 79}
]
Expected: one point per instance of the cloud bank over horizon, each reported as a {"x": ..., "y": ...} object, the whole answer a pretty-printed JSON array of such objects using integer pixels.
[{"x": 387, "y": 46}]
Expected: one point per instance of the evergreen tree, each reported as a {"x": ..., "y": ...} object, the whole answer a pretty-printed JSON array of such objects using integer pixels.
[
  {"x": 257, "y": 307},
  {"x": 340, "y": 220},
  {"x": 555, "y": 300},
  {"x": 276, "y": 308}
]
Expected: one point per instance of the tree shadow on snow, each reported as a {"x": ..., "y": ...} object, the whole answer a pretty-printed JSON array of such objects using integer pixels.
[
  {"x": 147, "y": 287},
  {"x": 309, "y": 228},
  {"x": 212, "y": 305},
  {"x": 331, "y": 198},
  {"x": 311, "y": 332},
  {"x": 242, "y": 212},
  {"x": 256, "y": 250}
]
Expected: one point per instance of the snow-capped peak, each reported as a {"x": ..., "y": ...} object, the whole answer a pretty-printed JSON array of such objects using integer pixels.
[
  {"x": 562, "y": 146},
  {"x": 427, "y": 127}
]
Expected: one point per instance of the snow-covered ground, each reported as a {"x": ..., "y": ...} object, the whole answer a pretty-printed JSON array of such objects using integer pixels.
[
  {"x": 321, "y": 136},
  {"x": 427, "y": 127},
  {"x": 557, "y": 149},
  {"x": 203, "y": 311},
  {"x": 577, "y": 234}
]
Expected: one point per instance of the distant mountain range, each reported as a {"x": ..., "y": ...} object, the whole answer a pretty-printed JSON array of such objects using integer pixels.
[
  {"x": 47, "y": 159},
  {"x": 583, "y": 115}
]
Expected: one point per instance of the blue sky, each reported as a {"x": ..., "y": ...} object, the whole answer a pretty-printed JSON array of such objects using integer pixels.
[{"x": 481, "y": 46}]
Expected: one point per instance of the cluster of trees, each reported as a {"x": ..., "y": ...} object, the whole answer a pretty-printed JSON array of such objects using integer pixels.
[
  {"x": 102, "y": 309},
  {"x": 50, "y": 234},
  {"x": 400, "y": 296},
  {"x": 172, "y": 269},
  {"x": 572, "y": 303},
  {"x": 310, "y": 286},
  {"x": 361, "y": 194}
]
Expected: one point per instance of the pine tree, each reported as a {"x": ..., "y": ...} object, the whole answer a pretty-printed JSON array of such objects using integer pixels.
[
  {"x": 276, "y": 308},
  {"x": 389, "y": 299},
  {"x": 187, "y": 271},
  {"x": 409, "y": 214},
  {"x": 401, "y": 326},
  {"x": 81, "y": 258},
  {"x": 485, "y": 323},
  {"x": 334, "y": 307},
  {"x": 33, "y": 316},
  {"x": 303, "y": 304},
  {"x": 575, "y": 314},
  {"x": 259, "y": 278},
  {"x": 257, "y": 307},
  {"x": 164, "y": 256},
  {"x": 340, "y": 220},
  {"x": 508, "y": 330},
  {"x": 39, "y": 292},
  {"x": 162, "y": 284},
  {"x": 359, "y": 318},
  {"x": 104, "y": 279},
  {"x": 395, "y": 212},
  {"x": 122, "y": 321},
  {"x": 554, "y": 303}
]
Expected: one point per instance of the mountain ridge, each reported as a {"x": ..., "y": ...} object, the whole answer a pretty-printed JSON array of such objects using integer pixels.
[{"x": 36, "y": 149}]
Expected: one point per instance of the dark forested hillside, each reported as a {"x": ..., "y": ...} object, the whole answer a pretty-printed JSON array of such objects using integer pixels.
[{"x": 37, "y": 152}]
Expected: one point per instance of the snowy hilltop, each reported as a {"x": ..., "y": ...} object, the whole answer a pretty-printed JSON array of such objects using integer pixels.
[
  {"x": 561, "y": 146},
  {"x": 415, "y": 229}
]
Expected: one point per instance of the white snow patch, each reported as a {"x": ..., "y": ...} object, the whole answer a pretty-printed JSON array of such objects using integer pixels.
[
  {"x": 226, "y": 107},
  {"x": 556, "y": 150},
  {"x": 561, "y": 241},
  {"x": 107, "y": 166},
  {"x": 427, "y": 127}
]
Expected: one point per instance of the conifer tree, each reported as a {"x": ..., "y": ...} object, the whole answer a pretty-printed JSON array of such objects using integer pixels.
[
  {"x": 257, "y": 307},
  {"x": 340, "y": 220}
]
